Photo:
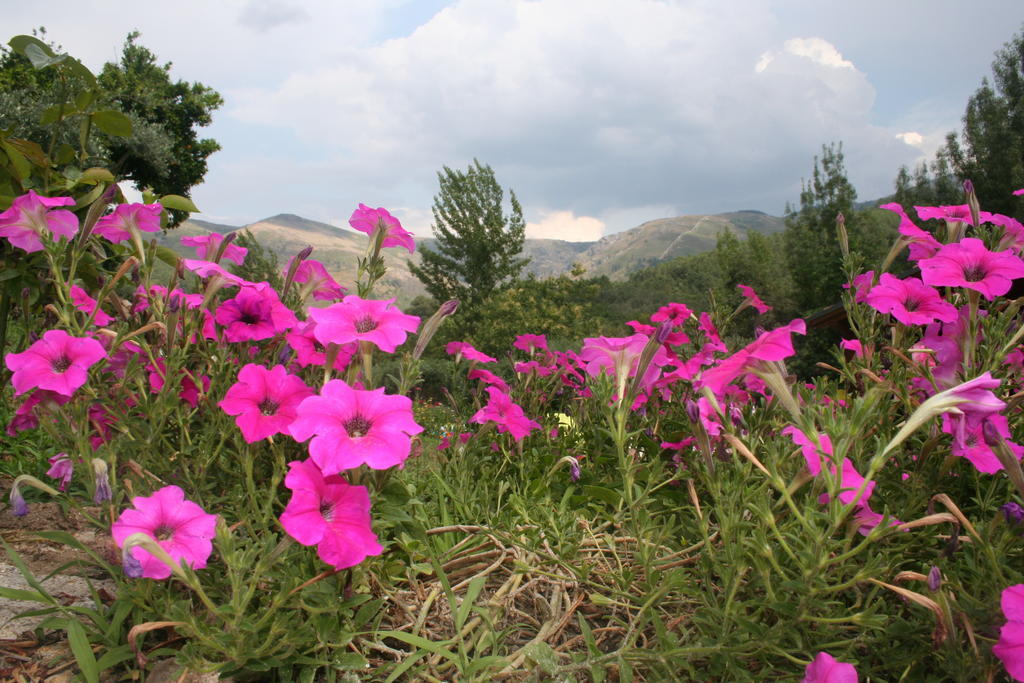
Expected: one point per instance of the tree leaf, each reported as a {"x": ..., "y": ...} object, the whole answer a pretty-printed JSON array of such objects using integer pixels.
[
  {"x": 174, "y": 201},
  {"x": 112, "y": 122},
  {"x": 39, "y": 57},
  {"x": 94, "y": 175}
]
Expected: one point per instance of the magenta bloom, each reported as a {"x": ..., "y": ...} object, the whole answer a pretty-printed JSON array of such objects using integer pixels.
[
  {"x": 1010, "y": 648},
  {"x": 207, "y": 246},
  {"x": 264, "y": 401},
  {"x": 58, "y": 362},
  {"x": 328, "y": 512},
  {"x": 750, "y": 295},
  {"x": 910, "y": 301},
  {"x": 365, "y": 219},
  {"x": 826, "y": 669},
  {"x": 351, "y": 427},
  {"x": 357, "y": 319},
  {"x": 531, "y": 342},
  {"x": 620, "y": 356},
  {"x": 770, "y": 346},
  {"x": 309, "y": 351},
  {"x": 254, "y": 313},
  {"x": 61, "y": 469},
  {"x": 922, "y": 243},
  {"x": 488, "y": 377},
  {"x": 969, "y": 440},
  {"x": 677, "y": 314},
  {"x": 118, "y": 226},
  {"x": 208, "y": 269},
  {"x": 26, "y": 415},
  {"x": 315, "y": 280},
  {"x": 179, "y": 526},
  {"x": 812, "y": 454},
  {"x": 81, "y": 300},
  {"x": 32, "y": 216},
  {"x": 466, "y": 350},
  {"x": 969, "y": 264},
  {"x": 853, "y": 345},
  {"x": 508, "y": 416}
]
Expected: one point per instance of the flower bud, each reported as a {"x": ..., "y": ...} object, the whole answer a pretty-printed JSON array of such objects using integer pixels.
[
  {"x": 102, "y": 479},
  {"x": 934, "y": 579},
  {"x": 693, "y": 411},
  {"x": 18, "y": 505},
  {"x": 132, "y": 567},
  {"x": 1013, "y": 512},
  {"x": 991, "y": 434},
  {"x": 430, "y": 327},
  {"x": 844, "y": 239}
]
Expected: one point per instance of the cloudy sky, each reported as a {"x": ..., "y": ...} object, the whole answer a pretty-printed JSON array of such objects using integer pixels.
[{"x": 600, "y": 114}]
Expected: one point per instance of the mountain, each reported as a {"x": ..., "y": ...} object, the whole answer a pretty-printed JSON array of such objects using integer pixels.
[{"x": 615, "y": 256}]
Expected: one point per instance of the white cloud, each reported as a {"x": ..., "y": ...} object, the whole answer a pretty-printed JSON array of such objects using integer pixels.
[
  {"x": 565, "y": 225},
  {"x": 912, "y": 138}
]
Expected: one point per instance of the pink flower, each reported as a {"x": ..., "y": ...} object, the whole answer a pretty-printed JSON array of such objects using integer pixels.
[
  {"x": 357, "y": 319},
  {"x": 853, "y": 345},
  {"x": 351, "y": 427},
  {"x": 707, "y": 326},
  {"x": 264, "y": 401},
  {"x": 677, "y": 314},
  {"x": 508, "y": 416},
  {"x": 861, "y": 286},
  {"x": 770, "y": 346},
  {"x": 750, "y": 295},
  {"x": 118, "y": 226},
  {"x": 365, "y": 219},
  {"x": 30, "y": 217},
  {"x": 922, "y": 243},
  {"x": 1010, "y": 648},
  {"x": 488, "y": 377},
  {"x": 58, "y": 362},
  {"x": 61, "y": 469},
  {"x": 812, "y": 454},
  {"x": 179, "y": 526},
  {"x": 328, "y": 512},
  {"x": 531, "y": 342},
  {"x": 254, "y": 313},
  {"x": 208, "y": 245},
  {"x": 619, "y": 356},
  {"x": 208, "y": 269},
  {"x": 960, "y": 213},
  {"x": 316, "y": 281},
  {"x": 309, "y": 351},
  {"x": 81, "y": 300},
  {"x": 26, "y": 415},
  {"x": 969, "y": 440},
  {"x": 826, "y": 669},
  {"x": 910, "y": 301},
  {"x": 969, "y": 264},
  {"x": 466, "y": 350}
]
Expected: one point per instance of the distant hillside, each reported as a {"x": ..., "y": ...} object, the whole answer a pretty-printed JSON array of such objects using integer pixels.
[
  {"x": 664, "y": 239},
  {"x": 615, "y": 256}
]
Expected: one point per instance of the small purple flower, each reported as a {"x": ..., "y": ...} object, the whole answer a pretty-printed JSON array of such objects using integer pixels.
[
  {"x": 132, "y": 567},
  {"x": 1013, "y": 512},
  {"x": 934, "y": 578},
  {"x": 574, "y": 471},
  {"x": 61, "y": 469},
  {"x": 102, "y": 493},
  {"x": 18, "y": 505}
]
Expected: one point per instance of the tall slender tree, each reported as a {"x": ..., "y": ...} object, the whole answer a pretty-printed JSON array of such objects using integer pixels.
[{"x": 478, "y": 245}]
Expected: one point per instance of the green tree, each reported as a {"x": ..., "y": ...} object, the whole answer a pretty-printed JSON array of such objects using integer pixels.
[
  {"x": 478, "y": 246},
  {"x": 140, "y": 124},
  {"x": 812, "y": 250}
]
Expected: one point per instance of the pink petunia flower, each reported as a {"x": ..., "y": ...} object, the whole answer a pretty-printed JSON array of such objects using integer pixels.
[
  {"x": 309, "y": 350},
  {"x": 969, "y": 264},
  {"x": 707, "y": 326},
  {"x": 328, "y": 512},
  {"x": 254, "y": 313},
  {"x": 969, "y": 440},
  {"x": 1010, "y": 648},
  {"x": 960, "y": 213},
  {"x": 357, "y": 319},
  {"x": 179, "y": 526},
  {"x": 264, "y": 401},
  {"x": 365, "y": 219},
  {"x": 81, "y": 300},
  {"x": 531, "y": 342},
  {"x": 126, "y": 218},
  {"x": 208, "y": 245},
  {"x": 770, "y": 346},
  {"x": 751, "y": 296},
  {"x": 854, "y": 345},
  {"x": 674, "y": 313},
  {"x": 921, "y": 242},
  {"x": 488, "y": 377},
  {"x": 209, "y": 269},
  {"x": 620, "y": 357},
  {"x": 61, "y": 469},
  {"x": 351, "y": 427},
  {"x": 32, "y": 216},
  {"x": 26, "y": 415},
  {"x": 315, "y": 280},
  {"x": 861, "y": 286},
  {"x": 58, "y": 362},
  {"x": 826, "y": 669},
  {"x": 507, "y": 415},
  {"x": 466, "y": 350},
  {"x": 910, "y": 301}
]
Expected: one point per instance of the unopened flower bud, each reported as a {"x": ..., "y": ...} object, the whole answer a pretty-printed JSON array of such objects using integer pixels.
[
  {"x": 284, "y": 355},
  {"x": 574, "y": 471},
  {"x": 693, "y": 411},
  {"x": 430, "y": 327},
  {"x": 304, "y": 254},
  {"x": 18, "y": 505},
  {"x": 968, "y": 187},
  {"x": 991, "y": 434},
  {"x": 1013, "y": 512},
  {"x": 663, "y": 332},
  {"x": 132, "y": 567},
  {"x": 844, "y": 239},
  {"x": 102, "y": 477},
  {"x": 449, "y": 307},
  {"x": 934, "y": 578}
]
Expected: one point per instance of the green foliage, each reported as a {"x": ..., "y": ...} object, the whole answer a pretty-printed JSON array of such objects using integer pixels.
[
  {"x": 478, "y": 245},
  {"x": 812, "y": 249}
]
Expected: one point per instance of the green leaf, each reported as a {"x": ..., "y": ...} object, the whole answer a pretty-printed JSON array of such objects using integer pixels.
[
  {"x": 112, "y": 658},
  {"x": 543, "y": 656},
  {"x": 350, "y": 661},
  {"x": 65, "y": 154},
  {"x": 406, "y": 664},
  {"x": 112, "y": 122},
  {"x": 174, "y": 201},
  {"x": 22, "y": 167},
  {"x": 24, "y": 595},
  {"x": 39, "y": 57},
  {"x": 601, "y": 493},
  {"x": 94, "y": 175},
  {"x": 84, "y": 99},
  {"x": 52, "y": 113},
  {"x": 80, "y": 647},
  {"x": 475, "y": 586},
  {"x": 19, "y": 43}
]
